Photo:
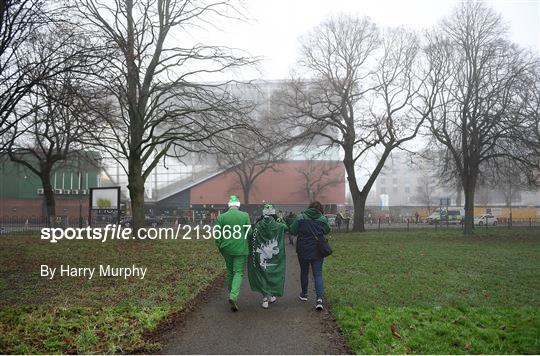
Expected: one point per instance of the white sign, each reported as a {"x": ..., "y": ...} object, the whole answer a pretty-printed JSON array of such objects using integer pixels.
[{"x": 105, "y": 198}]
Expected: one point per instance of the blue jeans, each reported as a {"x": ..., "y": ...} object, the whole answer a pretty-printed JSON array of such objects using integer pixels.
[{"x": 316, "y": 266}]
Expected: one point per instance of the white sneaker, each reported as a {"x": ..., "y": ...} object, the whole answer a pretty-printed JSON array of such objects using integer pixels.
[
  {"x": 234, "y": 305},
  {"x": 319, "y": 305},
  {"x": 265, "y": 303},
  {"x": 272, "y": 299}
]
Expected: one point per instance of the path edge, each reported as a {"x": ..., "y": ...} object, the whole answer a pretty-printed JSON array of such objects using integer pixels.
[{"x": 175, "y": 320}]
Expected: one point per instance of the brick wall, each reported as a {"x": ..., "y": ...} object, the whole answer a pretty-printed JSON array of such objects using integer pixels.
[
  {"x": 283, "y": 185},
  {"x": 27, "y": 208}
]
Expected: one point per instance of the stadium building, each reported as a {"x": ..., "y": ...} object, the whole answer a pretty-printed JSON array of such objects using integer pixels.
[{"x": 192, "y": 186}]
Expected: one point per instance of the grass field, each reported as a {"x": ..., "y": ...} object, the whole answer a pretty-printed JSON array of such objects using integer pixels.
[
  {"x": 104, "y": 315},
  {"x": 437, "y": 292}
]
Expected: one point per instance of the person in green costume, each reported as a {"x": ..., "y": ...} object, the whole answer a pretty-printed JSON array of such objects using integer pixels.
[
  {"x": 230, "y": 235},
  {"x": 266, "y": 262}
]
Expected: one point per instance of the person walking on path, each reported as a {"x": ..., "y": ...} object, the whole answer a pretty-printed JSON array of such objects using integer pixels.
[
  {"x": 309, "y": 227},
  {"x": 289, "y": 220},
  {"x": 266, "y": 262},
  {"x": 231, "y": 240}
]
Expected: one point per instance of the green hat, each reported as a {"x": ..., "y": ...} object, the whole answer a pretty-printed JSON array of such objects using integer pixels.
[
  {"x": 234, "y": 201},
  {"x": 268, "y": 209}
]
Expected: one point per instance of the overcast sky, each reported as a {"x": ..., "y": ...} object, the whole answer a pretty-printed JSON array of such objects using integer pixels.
[{"x": 276, "y": 25}]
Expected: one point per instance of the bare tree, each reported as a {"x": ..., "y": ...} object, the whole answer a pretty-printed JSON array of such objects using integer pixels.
[
  {"x": 476, "y": 71},
  {"x": 250, "y": 168},
  {"x": 361, "y": 93},
  {"x": 159, "y": 104},
  {"x": 47, "y": 123},
  {"x": 252, "y": 153},
  {"x": 425, "y": 191},
  {"x": 17, "y": 23},
  {"x": 23, "y": 26},
  {"x": 510, "y": 177},
  {"x": 318, "y": 177},
  {"x": 529, "y": 110},
  {"x": 45, "y": 140}
]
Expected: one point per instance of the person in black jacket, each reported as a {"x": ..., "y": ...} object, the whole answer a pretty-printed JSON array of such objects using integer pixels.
[{"x": 309, "y": 226}]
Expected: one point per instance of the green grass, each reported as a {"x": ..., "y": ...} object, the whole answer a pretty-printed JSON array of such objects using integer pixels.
[
  {"x": 437, "y": 292},
  {"x": 102, "y": 315}
]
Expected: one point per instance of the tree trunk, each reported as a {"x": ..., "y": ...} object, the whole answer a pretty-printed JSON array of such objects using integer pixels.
[
  {"x": 48, "y": 197},
  {"x": 358, "y": 200},
  {"x": 359, "y": 212},
  {"x": 469, "y": 188},
  {"x": 509, "y": 195},
  {"x": 136, "y": 192},
  {"x": 136, "y": 125},
  {"x": 246, "y": 190}
]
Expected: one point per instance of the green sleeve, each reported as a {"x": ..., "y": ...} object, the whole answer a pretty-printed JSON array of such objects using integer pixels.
[
  {"x": 284, "y": 223},
  {"x": 327, "y": 228},
  {"x": 293, "y": 229},
  {"x": 218, "y": 227}
]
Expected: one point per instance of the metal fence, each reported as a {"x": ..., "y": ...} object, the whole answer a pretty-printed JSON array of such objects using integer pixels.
[
  {"x": 10, "y": 224},
  {"x": 410, "y": 224}
]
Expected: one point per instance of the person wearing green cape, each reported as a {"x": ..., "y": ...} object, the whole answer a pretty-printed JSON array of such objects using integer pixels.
[
  {"x": 231, "y": 238},
  {"x": 266, "y": 261}
]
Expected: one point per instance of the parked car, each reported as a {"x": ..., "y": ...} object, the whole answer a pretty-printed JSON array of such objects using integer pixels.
[
  {"x": 331, "y": 219},
  {"x": 435, "y": 216},
  {"x": 454, "y": 216},
  {"x": 486, "y": 219}
]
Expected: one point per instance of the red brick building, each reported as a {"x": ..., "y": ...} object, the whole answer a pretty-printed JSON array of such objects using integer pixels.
[{"x": 286, "y": 186}]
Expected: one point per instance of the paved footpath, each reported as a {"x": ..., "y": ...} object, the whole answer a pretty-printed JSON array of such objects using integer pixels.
[{"x": 288, "y": 326}]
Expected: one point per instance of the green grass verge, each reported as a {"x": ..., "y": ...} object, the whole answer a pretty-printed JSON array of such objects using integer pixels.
[
  {"x": 437, "y": 292},
  {"x": 102, "y": 315}
]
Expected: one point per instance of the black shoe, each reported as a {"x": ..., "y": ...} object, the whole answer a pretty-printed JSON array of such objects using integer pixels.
[
  {"x": 234, "y": 305},
  {"x": 319, "y": 305},
  {"x": 302, "y": 297}
]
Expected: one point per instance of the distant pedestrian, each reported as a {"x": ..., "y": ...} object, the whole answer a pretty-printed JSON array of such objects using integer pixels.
[
  {"x": 233, "y": 250},
  {"x": 311, "y": 226},
  {"x": 339, "y": 220},
  {"x": 289, "y": 220}
]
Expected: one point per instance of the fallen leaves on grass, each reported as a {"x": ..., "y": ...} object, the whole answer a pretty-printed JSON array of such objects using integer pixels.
[{"x": 394, "y": 327}]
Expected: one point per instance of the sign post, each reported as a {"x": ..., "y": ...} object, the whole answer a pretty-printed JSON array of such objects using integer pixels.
[{"x": 104, "y": 200}]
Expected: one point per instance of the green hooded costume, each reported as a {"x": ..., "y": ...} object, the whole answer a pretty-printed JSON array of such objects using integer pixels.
[
  {"x": 266, "y": 261},
  {"x": 234, "y": 251}
]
